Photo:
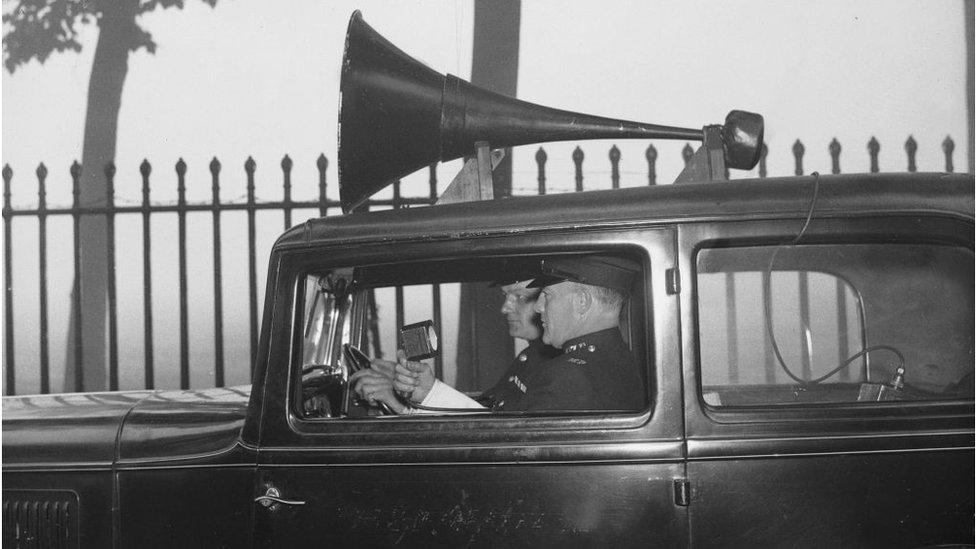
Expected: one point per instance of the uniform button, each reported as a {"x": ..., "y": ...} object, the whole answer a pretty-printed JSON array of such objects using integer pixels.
[
  {"x": 592, "y": 348},
  {"x": 522, "y": 357}
]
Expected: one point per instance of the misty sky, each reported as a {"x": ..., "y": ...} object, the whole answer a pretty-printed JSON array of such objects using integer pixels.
[{"x": 260, "y": 79}]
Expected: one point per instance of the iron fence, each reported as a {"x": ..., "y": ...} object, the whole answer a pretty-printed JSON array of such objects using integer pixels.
[{"x": 250, "y": 206}]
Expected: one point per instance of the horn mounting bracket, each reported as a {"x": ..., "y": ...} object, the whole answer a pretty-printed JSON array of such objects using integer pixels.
[
  {"x": 474, "y": 182},
  {"x": 708, "y": 162}
]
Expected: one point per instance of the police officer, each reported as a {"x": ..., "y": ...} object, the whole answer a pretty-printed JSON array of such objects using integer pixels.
[
  {"x": 580, "y": 307},
  {"x": 523, "y": 323}
]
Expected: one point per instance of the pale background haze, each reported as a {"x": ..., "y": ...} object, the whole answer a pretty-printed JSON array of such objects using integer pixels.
[{"x": 262, "y": 79}]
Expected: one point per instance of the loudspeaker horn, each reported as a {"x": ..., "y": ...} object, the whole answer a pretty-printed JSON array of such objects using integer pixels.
[{"x": 397, "y": 116}]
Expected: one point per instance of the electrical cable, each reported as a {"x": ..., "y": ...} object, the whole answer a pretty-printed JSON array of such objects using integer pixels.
[{"x": 767, "y": 306}]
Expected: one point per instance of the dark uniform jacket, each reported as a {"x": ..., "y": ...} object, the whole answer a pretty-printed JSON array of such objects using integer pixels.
[
  {"x": 506, "y": 391},
  {"x": 595, "y": 372}
]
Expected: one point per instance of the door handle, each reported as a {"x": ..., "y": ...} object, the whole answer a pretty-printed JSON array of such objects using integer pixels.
[{"x": 272, "y": 499}]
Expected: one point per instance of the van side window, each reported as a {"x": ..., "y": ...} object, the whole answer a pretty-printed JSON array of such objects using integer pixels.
[
  {"x": 486, "y": 318},
  {"x": 835, "y": 323}
]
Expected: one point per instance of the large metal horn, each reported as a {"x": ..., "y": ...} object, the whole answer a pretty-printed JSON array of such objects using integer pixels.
[{"x": 398, "y": 115}]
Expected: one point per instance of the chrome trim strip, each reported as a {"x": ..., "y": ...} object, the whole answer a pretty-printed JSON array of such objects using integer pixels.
[
  {"x": 676, "y": 459},
  {"x": 57, "y": 467},
  {"x": 138, "y": 467},
  {"x": 837, "y": 453},
  {"x": 828, "y": 437}
]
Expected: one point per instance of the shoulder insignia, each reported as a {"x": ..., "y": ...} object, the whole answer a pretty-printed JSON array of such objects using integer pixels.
[
  {"x": 518, "y": 383},
  {"x": 581, "y": 346}
]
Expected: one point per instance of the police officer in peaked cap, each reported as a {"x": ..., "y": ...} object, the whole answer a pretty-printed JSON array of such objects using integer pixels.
[{"x": 580, "y": 308}]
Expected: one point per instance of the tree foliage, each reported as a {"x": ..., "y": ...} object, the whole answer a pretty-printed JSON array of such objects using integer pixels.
[{"x": 34, "y": 29}]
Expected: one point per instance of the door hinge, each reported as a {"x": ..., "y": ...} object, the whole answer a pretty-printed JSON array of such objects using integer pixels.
[
  {"x": 682, "y": 492},
  {"x": 673, "y": 281}
]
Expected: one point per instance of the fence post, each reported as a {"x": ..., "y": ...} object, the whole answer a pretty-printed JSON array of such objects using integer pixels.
[
  {"x": 184, "y": 317},
  {"x": 731, "y": 328},
  {"x": 578, "y": 162},
  {"x": 286, "y": 174},
  {"x": 798, "y": 150},
  {"x": 540, "y": 162},
  {"x": 42, "y": 260},
  {"x": 218, "y": 276},
  {"x": 432, "y": 194},
  {"x": 76, "y": 221},
  {"x": 834, "y": 149},
  {"x": 686, "y": 153},
  {"x": 873, "y": 149},
  {"x": 763, "y": 153},
  {"x": 911, "y": 147},
  {"x": 113, "y": 320},
  {"x": 322, "y": 163},
  {"x": 398, "y": 290},
  {"x": 435, "y": 291},
  {"x": 10, "y": 387},
  {"x": 252, "y": 268},
  {"x": 948, "y": 145},
  {"x": 802, "y": 280},
  {"x": 651, "y": 155},
  {"x": 614, "y": 167},
  {"x": 145, "y": 169}
]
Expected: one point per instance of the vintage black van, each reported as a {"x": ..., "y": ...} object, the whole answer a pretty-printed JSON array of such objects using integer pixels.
[
  {"x": 844, "y": 420},
  {"x": 804, "y": 348}
]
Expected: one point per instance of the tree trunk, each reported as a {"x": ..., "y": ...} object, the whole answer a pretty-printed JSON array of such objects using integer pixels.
[
  {"x": 484, "y": 346},
  {"x": 117, "y": 35},
  {"x": 970, "y": 87}
]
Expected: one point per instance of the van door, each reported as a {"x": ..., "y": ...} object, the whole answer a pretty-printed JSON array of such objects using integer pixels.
[
  {"x": 597, "y": 478},
  {"x": 829, "y": 384}
]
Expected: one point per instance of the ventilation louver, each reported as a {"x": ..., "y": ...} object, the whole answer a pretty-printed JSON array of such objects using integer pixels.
[{"x": 40, "y": 518}]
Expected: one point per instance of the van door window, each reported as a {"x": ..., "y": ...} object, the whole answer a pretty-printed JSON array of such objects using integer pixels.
[
  {"x": 540, "y": 345},
  {"x": 835, "y": 323}
]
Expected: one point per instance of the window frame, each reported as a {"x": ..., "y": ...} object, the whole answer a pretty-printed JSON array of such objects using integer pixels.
[
  {"x": 281, "y": 425},
  {"x": 706, "y": 420}
]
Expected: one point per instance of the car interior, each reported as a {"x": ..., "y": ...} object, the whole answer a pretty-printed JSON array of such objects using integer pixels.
[{"x": 349, "y": 315}]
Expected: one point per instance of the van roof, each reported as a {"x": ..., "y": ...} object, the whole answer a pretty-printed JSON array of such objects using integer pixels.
[{"x": 741, "y": 199}]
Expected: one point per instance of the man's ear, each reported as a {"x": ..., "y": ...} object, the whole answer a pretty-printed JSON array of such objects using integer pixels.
[{"x": 582, "y": 300}]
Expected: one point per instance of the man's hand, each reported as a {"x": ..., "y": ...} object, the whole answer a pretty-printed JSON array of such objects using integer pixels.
[
  {"x": 413, "y": 379},
  {"x": 385, "y": 367},
  {"x": 375, "y": 387}
]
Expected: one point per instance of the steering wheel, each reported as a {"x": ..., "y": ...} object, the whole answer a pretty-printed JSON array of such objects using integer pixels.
[{"x": 321, "y": 390}]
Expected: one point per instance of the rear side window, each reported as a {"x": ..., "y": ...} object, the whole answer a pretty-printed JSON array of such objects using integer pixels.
[{"x": 835, "y": 323}]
